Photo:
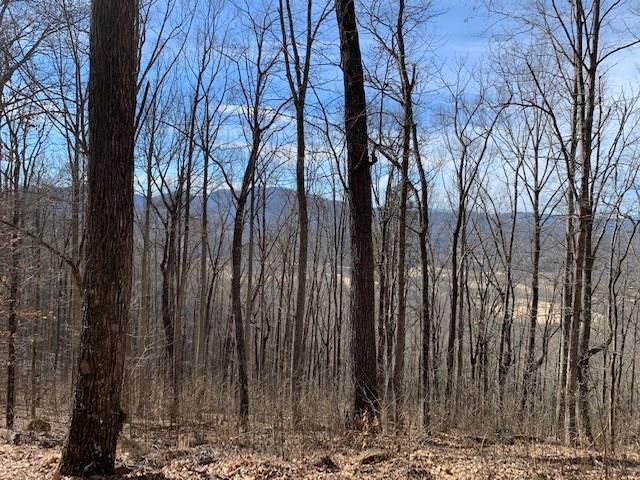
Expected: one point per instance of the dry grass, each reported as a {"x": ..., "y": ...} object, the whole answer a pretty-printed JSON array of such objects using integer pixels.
[{"x": 155, "y": 456}]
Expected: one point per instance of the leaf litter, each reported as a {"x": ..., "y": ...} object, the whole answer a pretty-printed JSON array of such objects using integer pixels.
[{"x": 440, "y": 456}]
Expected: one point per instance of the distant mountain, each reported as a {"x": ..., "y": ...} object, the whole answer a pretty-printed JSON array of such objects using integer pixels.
[
  {"x": 281, "y": 207},
  {"x": 281, "y": 204}
]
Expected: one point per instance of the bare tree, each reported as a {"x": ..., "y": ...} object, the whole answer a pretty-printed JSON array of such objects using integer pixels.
[
  {"x": 363, "y": 340},
  {"x": 297, "y": 70},
  {"x": 255, "y": 67},
  {"x": 472, "y": 123},
  {"x": 97, "y": 417}
]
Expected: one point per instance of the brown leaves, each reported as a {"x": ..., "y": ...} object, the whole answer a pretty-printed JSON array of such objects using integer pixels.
[
  {"x": 395, "y": 458},
  {"x": 326, "y": 464},
  {"x": 369, "y": 458}
]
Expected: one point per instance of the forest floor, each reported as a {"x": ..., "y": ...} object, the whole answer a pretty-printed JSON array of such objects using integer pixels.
[{"x": 346, "y": 456}]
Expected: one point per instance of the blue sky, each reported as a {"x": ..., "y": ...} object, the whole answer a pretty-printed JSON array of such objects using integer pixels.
[
  {"x": 465, "y": 27},
  {"x": 460, "y": 33},
  {"x": 462, "y": 29}
]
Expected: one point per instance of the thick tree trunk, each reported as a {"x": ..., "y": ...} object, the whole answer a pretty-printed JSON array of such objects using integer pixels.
[
  {"x": 363, "y": 344},
  {"x": 97, "y": 418}
]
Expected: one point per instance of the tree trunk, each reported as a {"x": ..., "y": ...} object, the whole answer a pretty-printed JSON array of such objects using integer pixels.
[
  {"x": 97, "y": 418},
  {"x": 12, "y": 317},
  {"x": 203, "y": 311},
  {"x": 297, "y": 359},
  {"x": 529, "y": 371},
  {"x": 407, "y": 101},
  {"x": 426, "y": 304},
  {"x": 363, "y": 344},
  {"x": 236, "y": 293}
]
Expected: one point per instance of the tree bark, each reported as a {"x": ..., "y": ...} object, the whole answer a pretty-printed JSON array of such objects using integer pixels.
[
  {"x": 97, "y": 418},
  {"x": 12, "y": 317},
  {"x": 363, "y": 344}
]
